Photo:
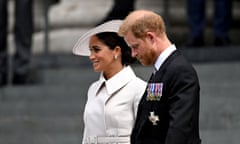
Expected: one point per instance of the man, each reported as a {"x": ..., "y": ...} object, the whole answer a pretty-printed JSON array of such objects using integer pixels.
[
  {"x": 23, "y": 30},
  {"x": 197, "y": 22},
  {"x": 168, "y": 112},
  {"x": 120, "y": 9}
]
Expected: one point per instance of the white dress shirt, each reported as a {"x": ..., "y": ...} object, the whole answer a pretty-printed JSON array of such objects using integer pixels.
[{"x": 163, "y": 56}]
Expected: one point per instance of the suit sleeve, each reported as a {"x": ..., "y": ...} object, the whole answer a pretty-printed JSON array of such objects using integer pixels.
[{"x": 183, "y": 89}]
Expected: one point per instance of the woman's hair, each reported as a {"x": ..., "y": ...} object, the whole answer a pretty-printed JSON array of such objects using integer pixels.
[{"x": 112, "y": 39}]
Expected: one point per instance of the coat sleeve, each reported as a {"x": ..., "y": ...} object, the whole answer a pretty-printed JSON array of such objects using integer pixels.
[
  {"x": 140, "y": 89},
  {"x": 183, "y": 105},
  {"x": 84, "y": 136}
]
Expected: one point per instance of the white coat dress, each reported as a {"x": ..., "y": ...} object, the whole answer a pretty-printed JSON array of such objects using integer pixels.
[{"x": 111, "y": 107}]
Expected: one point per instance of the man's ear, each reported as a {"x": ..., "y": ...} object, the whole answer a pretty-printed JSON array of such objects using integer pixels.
[{"x": 150, "y": 36}]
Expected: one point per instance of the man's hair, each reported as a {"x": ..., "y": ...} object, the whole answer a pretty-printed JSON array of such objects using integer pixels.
[{"x": 141, "y": 21}]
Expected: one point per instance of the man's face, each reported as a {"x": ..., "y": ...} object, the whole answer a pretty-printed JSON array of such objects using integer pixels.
[{"x": 141, "y": 49}]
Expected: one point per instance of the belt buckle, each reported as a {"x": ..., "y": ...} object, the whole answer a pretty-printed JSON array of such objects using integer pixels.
[{"x": 91, "y": 140}]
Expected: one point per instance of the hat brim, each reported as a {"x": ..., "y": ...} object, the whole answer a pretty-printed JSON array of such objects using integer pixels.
[{"x": 82, "y": 45}]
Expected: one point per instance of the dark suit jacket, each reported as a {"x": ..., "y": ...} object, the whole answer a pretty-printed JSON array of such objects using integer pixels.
[{"x": 177, "y": 109}]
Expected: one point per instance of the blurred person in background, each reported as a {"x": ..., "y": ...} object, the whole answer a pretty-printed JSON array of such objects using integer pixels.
[
  {"x": 23, "y": 29},
  {"x": 196, "y": 12},
  {"x": 119, "y": 10}
]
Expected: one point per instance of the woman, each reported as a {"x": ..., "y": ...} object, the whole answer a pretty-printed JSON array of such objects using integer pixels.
[{"x": 112, "y": 103}]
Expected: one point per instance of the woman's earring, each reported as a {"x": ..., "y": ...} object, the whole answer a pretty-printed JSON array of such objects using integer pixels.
[{"x": 115, "y": 57}]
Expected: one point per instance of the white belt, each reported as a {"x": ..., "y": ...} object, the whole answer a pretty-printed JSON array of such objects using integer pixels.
[{"x": 102, "y": 140}]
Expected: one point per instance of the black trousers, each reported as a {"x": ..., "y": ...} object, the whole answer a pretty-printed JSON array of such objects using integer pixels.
[
  {"x": 221, "y": 21},
  {"x": 119, "y": 10},
  {"x": 23, "y": 29}
]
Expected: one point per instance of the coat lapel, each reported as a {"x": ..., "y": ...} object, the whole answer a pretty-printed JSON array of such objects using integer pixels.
[{"x": 118, "y": 81}]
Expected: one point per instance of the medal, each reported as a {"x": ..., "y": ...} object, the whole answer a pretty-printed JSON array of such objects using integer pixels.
[
  {"x": 153, "y": 118},
  {"x": 154, "y": 91}
]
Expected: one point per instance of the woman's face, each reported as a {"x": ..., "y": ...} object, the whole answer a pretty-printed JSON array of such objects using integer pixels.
[{"x": 102, "y": 56}]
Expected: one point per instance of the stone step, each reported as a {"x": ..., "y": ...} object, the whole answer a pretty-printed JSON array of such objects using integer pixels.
[
  {"x": 81, "y": 73},
  {"x": 43, "y": 93},
  {"x": 216, "y": 112},
  {"x": 76, "y": 77},
  {"x": 218, "y": 73},
  {"x": 208, "y": 137},
  {"x": 52, "y": 124},
  {"x": 42, "y": 109},
  {"x": 219, "y": 113},
  {"x": 27, "y": 137},
  {"x": 59, "y": 96},
  {"x": 228, "y": 136},
  {"x": 51, "y": 112}
]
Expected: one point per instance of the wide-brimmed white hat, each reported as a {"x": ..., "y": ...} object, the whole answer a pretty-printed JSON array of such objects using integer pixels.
[{"x": 82, "y": 45}]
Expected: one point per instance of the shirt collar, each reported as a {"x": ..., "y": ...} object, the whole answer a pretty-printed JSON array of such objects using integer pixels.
[
  {"x": 163, "y": 56},
  {"x": 118, "y": 80}
]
